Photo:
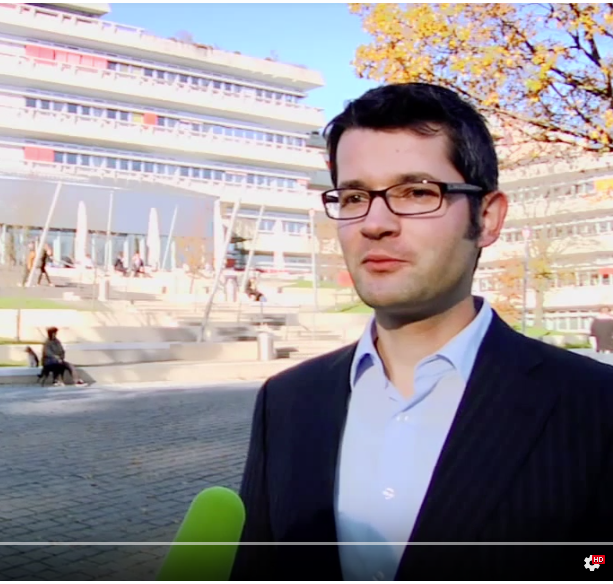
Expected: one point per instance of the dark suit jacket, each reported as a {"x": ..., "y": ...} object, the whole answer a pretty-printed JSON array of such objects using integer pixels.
[{"x": 529, "y": 458}]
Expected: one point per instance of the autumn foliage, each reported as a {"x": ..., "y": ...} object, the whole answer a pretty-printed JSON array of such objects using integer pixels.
[{"x": 543, "y": 71}]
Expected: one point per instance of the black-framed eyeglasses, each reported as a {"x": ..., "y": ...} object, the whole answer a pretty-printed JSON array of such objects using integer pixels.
[{"x": 405, "y": 199}]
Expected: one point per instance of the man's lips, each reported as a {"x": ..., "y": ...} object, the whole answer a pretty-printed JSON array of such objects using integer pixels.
[
  {"x": 380, "y": 258},
  {"x": 381, "y": 262}
]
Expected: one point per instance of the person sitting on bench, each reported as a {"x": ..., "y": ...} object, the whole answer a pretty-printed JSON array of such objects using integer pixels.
[{"x": 54, "y": 355}]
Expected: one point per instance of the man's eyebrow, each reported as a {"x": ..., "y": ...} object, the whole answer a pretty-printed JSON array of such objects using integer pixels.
[{"x": 402, "y": 178}]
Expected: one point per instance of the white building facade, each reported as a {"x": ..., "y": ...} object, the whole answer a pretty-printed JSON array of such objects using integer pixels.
[
  {"x": 178, "y": 127},
  {"x": 559, "y": 225}
]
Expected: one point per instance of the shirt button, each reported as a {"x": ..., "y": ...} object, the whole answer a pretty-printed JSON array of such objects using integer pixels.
[{"x": 389, "y": 493}]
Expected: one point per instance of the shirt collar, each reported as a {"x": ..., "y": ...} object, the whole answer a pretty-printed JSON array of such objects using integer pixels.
[{"x": 461, "y": 351}]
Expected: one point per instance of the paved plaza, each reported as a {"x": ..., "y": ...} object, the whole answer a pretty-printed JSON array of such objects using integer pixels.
[{"x": 110, "y": 465}]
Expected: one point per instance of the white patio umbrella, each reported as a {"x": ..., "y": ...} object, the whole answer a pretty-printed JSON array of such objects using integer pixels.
[
  {"x": 80, "y": 241},
  {"x": 154, "y": 245},
  {"x": 279, "y": 237}
]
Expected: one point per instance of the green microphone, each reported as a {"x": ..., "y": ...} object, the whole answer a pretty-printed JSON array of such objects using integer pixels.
[{"x": 216, "y": 515}]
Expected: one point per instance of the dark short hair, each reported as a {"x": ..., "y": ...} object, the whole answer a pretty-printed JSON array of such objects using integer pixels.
[{"x": 425, "y": 109}]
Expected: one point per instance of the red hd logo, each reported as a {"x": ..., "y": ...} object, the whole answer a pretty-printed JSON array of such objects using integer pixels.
[{"x": 597, "y": 560}]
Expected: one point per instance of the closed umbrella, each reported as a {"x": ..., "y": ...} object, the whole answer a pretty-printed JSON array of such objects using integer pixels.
[{"x": 153, "y": 239}]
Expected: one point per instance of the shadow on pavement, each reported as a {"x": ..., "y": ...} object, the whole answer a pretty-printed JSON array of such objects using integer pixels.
[{"x": 107, "y": 465}]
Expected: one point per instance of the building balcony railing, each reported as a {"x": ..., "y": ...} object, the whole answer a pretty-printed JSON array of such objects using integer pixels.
[
  {"x": 562, "y": 298},
  {"x": 521, "y": 213},
  {"x": 575, "y": 245},
  {"x": 94, "y": 32},
  {"x": 544, "y": 170},
  {"x": 252, "y": 195},
  {"x": 50, "y": 125},
  {"x": 131, "y": 87}
]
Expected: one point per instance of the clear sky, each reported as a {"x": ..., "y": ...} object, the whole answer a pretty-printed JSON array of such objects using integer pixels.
[{"x": 320, "y": 36}]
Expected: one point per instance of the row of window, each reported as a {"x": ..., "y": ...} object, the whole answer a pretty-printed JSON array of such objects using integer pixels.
[
  {"x": 559, "y": 279},
  {"x": 164, "y": 121},
  {"x": 531, "y": 194},
  {"x": 287, "y": 227},
  {"x": 591, "y": 227},
  {"x": 574, "y": 322},
  {"x": 184, "y": 170},
  {"x": 201, "y": 81}
]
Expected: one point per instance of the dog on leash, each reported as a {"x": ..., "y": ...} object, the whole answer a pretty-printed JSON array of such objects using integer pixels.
[{"x": 56, "y": 370}]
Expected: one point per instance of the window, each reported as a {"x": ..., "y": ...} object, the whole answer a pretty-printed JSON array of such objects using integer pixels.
[
  {"x": 111, "y": 114},
  {"x": 124, "y": 164},
  {"x": 137, "y": 166},
  {"x": 85, "y": 159},
  {"x": 184, "y": 170},
  {"x": 111, "y": 162},
  {"x": 45, "y": 104},
  {"x": 86, "y": 110},
  {"x": 58, "y": 157},
  {"x": 149, "y": 167},
  {"x": 30, "y": 102},
  {"x": 71, "y": 158}
]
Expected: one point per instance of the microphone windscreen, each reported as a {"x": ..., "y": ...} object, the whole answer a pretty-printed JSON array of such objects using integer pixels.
[{"x": 216, "y": 515}]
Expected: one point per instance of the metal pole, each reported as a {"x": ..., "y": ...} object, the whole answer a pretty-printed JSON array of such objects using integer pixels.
[
  {"x": 249, "y": 261},
  {"x": 314, "y": 269},
  {"x": 252, "y": 250},
  {"x": 170, "y": 236},
  {"x": 218, "y": 272},
  {"x": 43, "y": 236},
  {"x": 109, "y": 221},
  {"x": 525, "y": 279}
]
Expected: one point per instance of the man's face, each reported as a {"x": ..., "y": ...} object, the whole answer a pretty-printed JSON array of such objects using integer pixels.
[{"x": 432, "y": 259}]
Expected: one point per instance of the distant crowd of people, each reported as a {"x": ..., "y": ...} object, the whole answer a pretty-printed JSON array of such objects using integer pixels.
[{"x": 46, "y": 258}]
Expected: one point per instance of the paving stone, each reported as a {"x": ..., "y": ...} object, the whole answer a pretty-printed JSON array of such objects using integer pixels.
[{"x": 111, "y": 465}]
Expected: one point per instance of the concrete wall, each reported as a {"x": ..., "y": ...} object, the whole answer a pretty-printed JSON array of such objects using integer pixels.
[
  {"x": 30, "y": 325},
  {"x": 132, "y": 353}
]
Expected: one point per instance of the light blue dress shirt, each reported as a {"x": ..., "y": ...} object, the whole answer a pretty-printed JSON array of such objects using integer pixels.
[{"x": 390, "y": 447}]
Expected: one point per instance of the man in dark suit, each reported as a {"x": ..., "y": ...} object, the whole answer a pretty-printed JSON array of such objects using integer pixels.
[{"x": 442, "y": 425}]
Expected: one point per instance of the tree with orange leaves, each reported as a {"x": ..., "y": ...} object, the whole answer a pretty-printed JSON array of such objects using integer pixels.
[{"x": 544, "y": 72}]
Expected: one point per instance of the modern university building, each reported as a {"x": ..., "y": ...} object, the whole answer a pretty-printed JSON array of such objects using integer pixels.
[{"x": 150, "y": 134}]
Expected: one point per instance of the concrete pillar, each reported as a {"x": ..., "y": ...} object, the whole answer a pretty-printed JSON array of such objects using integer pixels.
[{"x": 3, "y": 242}]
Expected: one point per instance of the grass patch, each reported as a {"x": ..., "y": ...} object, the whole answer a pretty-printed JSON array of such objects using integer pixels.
[
  {"x": 309, "y": 285},
  {"x": 12, "y": 364},
  {"x": 353, "y": 308},
  {"x": 24, "y": 343},
  {"x": 31, "y": 304}
]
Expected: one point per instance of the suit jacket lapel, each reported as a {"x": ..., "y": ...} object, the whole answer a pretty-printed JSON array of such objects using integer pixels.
[
  {"x": 318, "y": 448},
  {"x": 498, "y": 421},
  {"x": 325, "y": 442}
]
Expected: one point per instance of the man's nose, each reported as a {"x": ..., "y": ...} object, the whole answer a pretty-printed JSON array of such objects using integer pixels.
[{"x": 380, "y": 221}]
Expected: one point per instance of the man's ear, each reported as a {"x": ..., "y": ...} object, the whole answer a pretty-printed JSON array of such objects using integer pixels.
[{"x": 493, "y": 212}]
